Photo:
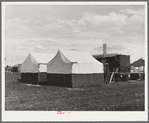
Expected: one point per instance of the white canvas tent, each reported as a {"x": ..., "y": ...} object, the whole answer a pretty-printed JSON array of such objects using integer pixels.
[
  {"x": 73, "y": 69},
  {"x": 34, "y": 68}
]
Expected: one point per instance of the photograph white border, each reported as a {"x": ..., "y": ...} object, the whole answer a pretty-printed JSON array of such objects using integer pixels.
[{"x": 74, "y": 115}]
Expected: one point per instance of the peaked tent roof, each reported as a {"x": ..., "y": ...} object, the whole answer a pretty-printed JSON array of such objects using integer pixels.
[
  {"x": 34, "y": 61},
  {"x": 42, "y": 57},
  {"x": 138, "y": 63},
  {"x": 79, "y": 56},
  {"x": 29, "y": 65},
  {"x": 83, "y": 62}
]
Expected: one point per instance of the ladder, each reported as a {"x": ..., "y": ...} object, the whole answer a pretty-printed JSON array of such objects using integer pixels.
[{"x": 110, "y": 76}]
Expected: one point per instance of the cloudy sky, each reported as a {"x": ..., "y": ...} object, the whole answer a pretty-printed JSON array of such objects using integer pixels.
[{"x": 46, "y": 28}]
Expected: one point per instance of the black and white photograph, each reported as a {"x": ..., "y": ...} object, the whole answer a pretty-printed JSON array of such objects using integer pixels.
[{"x": 74, "y": 61}]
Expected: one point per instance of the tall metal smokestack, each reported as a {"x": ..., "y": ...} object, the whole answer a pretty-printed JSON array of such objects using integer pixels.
[{"x": 104, "y": 49}]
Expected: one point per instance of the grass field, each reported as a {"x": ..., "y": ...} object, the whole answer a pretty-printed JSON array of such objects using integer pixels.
[{"x": 126, "y": 96}]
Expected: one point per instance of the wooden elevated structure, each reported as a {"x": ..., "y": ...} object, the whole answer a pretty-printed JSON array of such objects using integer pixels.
[{"x": 116, "y": 66}]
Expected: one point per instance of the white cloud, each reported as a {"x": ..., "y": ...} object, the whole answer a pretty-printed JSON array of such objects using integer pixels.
[
  {"x": 137, "y": 18},
  {"x": 104, "y": 20},
  {"x": 81, "y": 22},
  {"x": 133, "y": 11},
  {"x": 88, "y": 21},
  {"x": 135, "y": 15},
  {"x": 86, "y": 32},
  {"x": 40, "y": 47},
  {"x": 52, "y": 27}
]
